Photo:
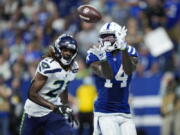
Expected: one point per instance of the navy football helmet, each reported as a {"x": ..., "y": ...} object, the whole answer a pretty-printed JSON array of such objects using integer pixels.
[{"x": 65, "y": 41}]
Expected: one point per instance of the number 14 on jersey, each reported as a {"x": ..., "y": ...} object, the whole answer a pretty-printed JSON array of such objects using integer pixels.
[{"x": 120, "y": 76}]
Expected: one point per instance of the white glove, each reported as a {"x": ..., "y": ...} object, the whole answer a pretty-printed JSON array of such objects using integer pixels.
[
  {"x": 123, "y": 33},
  {"x": 62, "y": 109},
  {"x": 100, "y": 53},
  {"x": 121, "y": 43},
  {"x": 107, "y": 47}
]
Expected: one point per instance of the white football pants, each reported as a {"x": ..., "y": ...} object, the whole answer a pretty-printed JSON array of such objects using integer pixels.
[{"x": 113, "y": 125}]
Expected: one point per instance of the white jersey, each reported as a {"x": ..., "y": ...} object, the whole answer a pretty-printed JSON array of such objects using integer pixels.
[{"x": 56, "y": 84}]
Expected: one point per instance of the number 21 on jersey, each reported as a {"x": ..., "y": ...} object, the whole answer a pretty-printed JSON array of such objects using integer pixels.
[{"x": 120, "y": 76}]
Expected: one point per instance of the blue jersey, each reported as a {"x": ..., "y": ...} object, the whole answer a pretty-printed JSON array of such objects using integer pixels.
[{"x": 112, "y": 94}]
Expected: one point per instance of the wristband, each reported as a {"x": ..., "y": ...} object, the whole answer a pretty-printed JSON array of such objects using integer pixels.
[{"x": 131, "y": 51}]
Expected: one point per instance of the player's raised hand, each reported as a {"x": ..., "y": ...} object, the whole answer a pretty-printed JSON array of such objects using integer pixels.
[
  {"x": 94, "y": 50},
  {"x": 97, "y": 51},
  {"x": 120, "y": 35},
  {"x": 121, "y": 44}
]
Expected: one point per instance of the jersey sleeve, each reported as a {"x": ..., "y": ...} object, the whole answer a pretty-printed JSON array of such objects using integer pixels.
[
  {"x": 45, "y": 67},
  {"x": 90, "y": 58}
]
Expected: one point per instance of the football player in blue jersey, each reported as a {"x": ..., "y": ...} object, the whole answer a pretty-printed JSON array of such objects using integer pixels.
[
  {"x": 113, "y": 63},
  {"x": 46, "y": 106}
]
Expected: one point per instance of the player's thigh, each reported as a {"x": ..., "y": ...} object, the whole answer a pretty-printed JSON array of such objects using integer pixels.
[
  {"x": 58, "y": 125},
  {"x": 55, "y": 129},
  {"x": 29, "y": 125},
  {"x": 109, "y": 125},
  {"x": 96, "y": 126},
  {"x": 128, "y": 128}
]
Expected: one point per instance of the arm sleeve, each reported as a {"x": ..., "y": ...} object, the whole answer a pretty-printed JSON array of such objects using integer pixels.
[{"x": 132, "y": 51}]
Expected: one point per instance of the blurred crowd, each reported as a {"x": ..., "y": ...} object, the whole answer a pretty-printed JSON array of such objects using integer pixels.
[{"x": 28, "y": 27}]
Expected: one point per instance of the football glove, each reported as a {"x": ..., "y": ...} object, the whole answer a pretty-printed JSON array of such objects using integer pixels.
[
  {"x": 108, "y": 47},
  {"x": 72, "y": 120},
  {"x": 67, "y": 111},
  {"x": 121, "y": 34},
  {"x": 120, "y": 38},
  {"x": 99, "y": 52},
  {"x": 63, "y": 109},
  {"x": 120, "y": 43}
]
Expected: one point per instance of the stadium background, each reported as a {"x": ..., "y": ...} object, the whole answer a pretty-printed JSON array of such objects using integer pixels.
[{"x": 28, "y": 27}]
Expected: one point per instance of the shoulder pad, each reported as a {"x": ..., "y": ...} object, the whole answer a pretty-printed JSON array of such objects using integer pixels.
[
  {"x": 48, "y": 66},
  {"x": 44, "y": 64}
]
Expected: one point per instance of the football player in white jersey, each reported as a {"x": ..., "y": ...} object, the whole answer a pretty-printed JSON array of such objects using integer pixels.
[
  {"x": 113, "y": 63},
  {"x": 46, "y": 106}
]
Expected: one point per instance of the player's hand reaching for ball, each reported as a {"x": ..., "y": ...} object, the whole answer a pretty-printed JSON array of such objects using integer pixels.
[
  {"x": 121, "y": 44},
  {"x": 97, "y": 51},
  {"x": 120, "y": 38}
]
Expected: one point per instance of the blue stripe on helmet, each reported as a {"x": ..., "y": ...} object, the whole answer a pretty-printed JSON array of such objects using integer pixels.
[{"x": 108, "y": 26}]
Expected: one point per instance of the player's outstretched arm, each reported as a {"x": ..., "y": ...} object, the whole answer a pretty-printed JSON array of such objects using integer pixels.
[
  {"x": 97, "y": 61},
  {"x": 129, "y": 53},
  {"x": 36, "y": 85},
  {"x": 129, "y": 62}
]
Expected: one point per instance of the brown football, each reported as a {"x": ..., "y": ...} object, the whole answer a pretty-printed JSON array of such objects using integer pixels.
[{"x": 89, "y": 13}]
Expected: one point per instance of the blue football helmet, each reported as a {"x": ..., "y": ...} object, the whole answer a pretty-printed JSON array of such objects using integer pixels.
[{"x": 67, "y": 42}]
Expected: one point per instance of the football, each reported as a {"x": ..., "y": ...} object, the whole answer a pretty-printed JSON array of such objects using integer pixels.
[{"x": 89, "y": 13}]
